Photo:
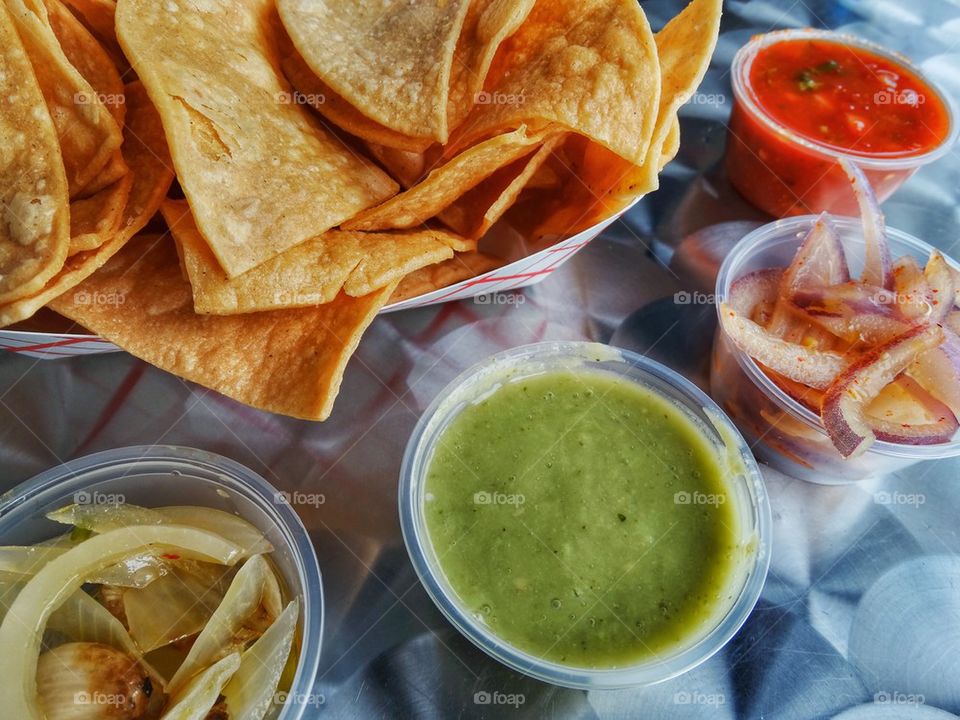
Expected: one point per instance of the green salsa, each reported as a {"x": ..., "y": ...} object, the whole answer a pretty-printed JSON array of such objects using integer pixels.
[{"x": 584, "y": 519}]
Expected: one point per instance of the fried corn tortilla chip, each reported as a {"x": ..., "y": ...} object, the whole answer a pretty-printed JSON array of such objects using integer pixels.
[
  {"x": 113, "y": 171},
  {"x": 34, "y": 210},
  {"x": 599, "y": 182},
  {"x": 89, "y": 58},
  {"x": 284, "y": 361},
  {"x": 588, "y": 66},
  {"x": 146, "y": 152},
  {"x": 487, "y": 25},
  {"x": 448, "y": 182},
  {"x": 461, "y": 267},
  {"x": 96, "y": 219},
  {"x": 260, "y": 172},
  {"x": 311, "y": 273},
  {"x": 407, "y": 167},
  {"x": 684, "y": 47},
  {"x": 98, "y": 16},
  {"x": 87, "y": 132},
  {"x": 391, "y": 59},
  {"x": 321, "y": 97},
  {"x": 475, "y": 212}
]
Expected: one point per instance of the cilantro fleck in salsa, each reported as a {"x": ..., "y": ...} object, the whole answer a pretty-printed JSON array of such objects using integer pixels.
[{"x": 805, "y": 97}]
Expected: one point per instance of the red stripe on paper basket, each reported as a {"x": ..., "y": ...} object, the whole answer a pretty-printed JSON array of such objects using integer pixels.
[
  {"x": 50, "y": 353},
  {"x": 114, "y": 404},
  {"x": 59, "y": 343}
]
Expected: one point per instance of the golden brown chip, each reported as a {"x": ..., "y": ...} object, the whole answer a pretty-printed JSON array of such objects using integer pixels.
[
  {"x": 311, "y": 273},
  {"x": 601, "y": 183},
  {"x": 448, "y": 182},
  {"x": 314, "y": 92},
  {"x": 684, "y": 47},
  {"x": 34, "y": 210},
  {"x": 89, "y": 58},
  {"x": 284, "y": 361},
  {"x": 461, "y": 267},
  {"x": 488, "y": 23},
  {"x": 260, "y": 172},
  {"x": 407, "y": 167},
  {"x": 113, "y": 171},
  {"x": 86, "y": 130},
  {"x": 476, "y": 211},
  {"x": 146, "y": 152},
  {"x": 391, "y": 60},
  {"x": 98, "y": 16},
  {"x": 588, "y": 66},
  {"x": 96, "y": 219}
]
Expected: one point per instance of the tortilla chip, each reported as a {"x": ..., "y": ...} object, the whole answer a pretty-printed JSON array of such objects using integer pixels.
[
  {"x": 98, "y": 16},
  {"x": 684, "y": 47},
  {"x": 447, "y": 182},
  {"x": 34, "y": 210},
  {"x": 311, "y": 273},
  {"x": 671, "y": 144},
  {"x": 588, "y": 66},
  {"x": 321, "y": 97},
  {"x": 391, "y": 60},
  {"x": 601, "y": 183},
  {"x": 89, "y": 58},
  {"x": 113, "y": 171},
  {"x": 284, "y": 361},
  {"x": 146, "y": 151},
  {"x": 96, "y": 219},
  {"x": 488, "y": 24},
  {"x": 407, "y": 167},
  {"x": 261, "y": 174},
  {"x": 462, "y": 267},
  {"x": 476, "y": 211},
  {"x": 87, "y": 132}
]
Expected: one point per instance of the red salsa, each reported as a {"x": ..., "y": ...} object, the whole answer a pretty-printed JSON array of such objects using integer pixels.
[
  {"x": 801, "y": 101},
  {"x": 848, "y": 98}
]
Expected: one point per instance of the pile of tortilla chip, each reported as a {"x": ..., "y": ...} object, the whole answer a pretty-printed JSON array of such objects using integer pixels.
[{"x": 330, "y": 156}]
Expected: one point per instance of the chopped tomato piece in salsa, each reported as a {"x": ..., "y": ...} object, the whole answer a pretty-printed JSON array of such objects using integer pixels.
[{"x": 848, "y": 98}]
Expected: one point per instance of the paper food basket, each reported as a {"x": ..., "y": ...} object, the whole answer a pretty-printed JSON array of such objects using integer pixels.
[{"x": 527, "y": 270}]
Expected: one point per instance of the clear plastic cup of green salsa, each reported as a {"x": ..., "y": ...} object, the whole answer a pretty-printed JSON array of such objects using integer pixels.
[{"x": 585, "y": 515}]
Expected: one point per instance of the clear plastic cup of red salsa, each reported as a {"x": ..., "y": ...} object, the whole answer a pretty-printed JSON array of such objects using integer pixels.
[{"x": 805, "y": 98}]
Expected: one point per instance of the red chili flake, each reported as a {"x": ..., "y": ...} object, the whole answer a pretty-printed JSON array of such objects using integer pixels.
[{"x": 170, "y": 556}]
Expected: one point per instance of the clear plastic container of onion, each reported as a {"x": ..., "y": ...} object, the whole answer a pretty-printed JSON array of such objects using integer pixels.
[{"x": 782, "y": 432}]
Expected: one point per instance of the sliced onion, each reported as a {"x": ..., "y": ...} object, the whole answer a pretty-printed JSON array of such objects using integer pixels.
[
  {"x": 877, "y": 262},
  {"x": 938, "y": 371},
  {"x": 27, "y": 559},
  {"x": 176, "y": 605},
  {"x": 816, "y": 368},
  {"x": 914, "y": 297},
  {"x": 197, "y": 697},
  {"x": 905, "y": 413},
  {"x": 860, "y": 329},
  {"x": 101, "y": 518},
  {"x": 943, "y": 288},
  {"x": 241, "y": 601},
  {"x": 57, "y": 580},
  {"x": 845, "y": 402},
  {"x": 82, "y": 619},
  {"x": 252, "y": 690},
  {"x": 754, "y": 288},
  {"x": 819, "y": 262},
  {"x": 809, "y": 397}
]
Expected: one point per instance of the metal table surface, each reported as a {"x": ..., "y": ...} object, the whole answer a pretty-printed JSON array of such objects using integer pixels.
[{"x": 860, "y": 615}]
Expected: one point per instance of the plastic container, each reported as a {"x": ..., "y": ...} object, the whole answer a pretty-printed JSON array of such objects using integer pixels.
[
  {"x": 784, "y": 173},
  {"x": 153, "y": 476},
  {"x": 781, "y": 431},
  {"x": 748, "y": 492}
]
